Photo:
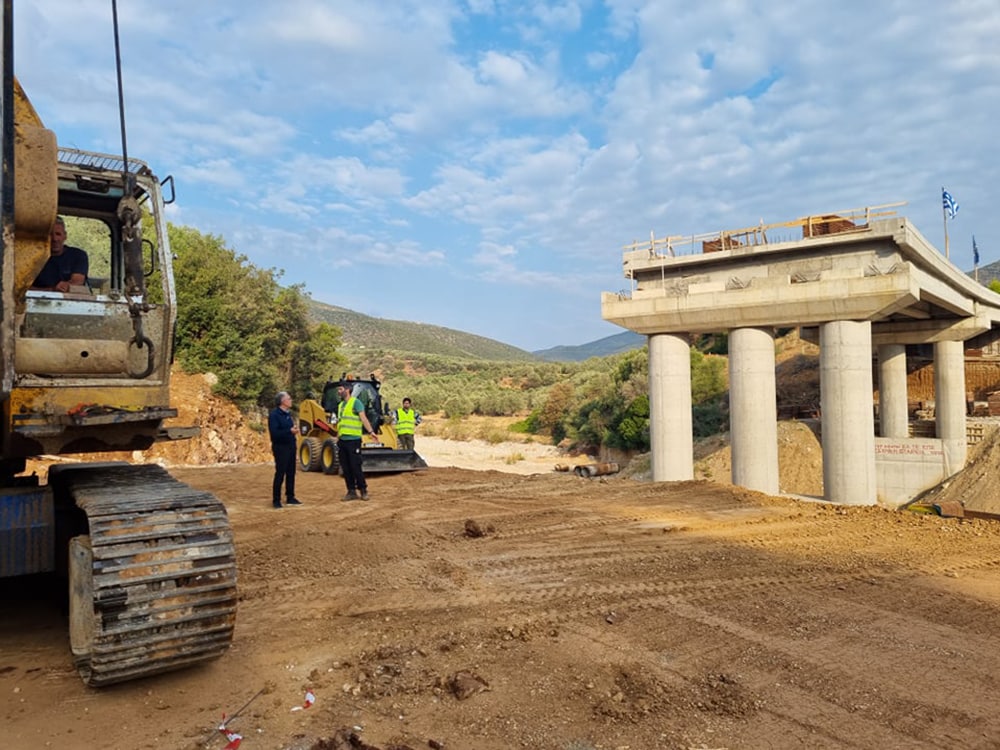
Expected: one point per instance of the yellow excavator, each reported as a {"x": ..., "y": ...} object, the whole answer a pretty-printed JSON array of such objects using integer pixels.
[
  {"x": 148, "y": 561},
  {"x": 317, "y": 448}
]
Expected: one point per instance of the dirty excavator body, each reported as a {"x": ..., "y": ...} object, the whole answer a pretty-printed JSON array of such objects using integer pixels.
[
  {"x": 318, "y": 432},
  {"x": 149, "y": 562}
]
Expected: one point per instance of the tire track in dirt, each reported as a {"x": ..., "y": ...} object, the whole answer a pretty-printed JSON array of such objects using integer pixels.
[
  {"x": 815, "y": 668},
  {"x": 801, "y": 708},
  {"x": 702, "y": 617}
]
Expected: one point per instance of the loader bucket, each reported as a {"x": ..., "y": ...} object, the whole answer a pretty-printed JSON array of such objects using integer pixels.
[{"x": 388, "y": 460}]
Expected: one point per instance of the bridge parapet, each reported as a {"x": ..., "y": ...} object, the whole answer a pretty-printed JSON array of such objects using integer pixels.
[
  {"x": 853, "y": 219},
  {"x": 865, "y": 265}
]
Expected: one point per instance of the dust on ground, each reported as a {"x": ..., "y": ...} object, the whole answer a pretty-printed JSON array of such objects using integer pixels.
[{"x": 584, "y": 614}]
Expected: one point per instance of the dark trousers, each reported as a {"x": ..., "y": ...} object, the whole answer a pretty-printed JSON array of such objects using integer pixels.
[
  {"x": 284, "y": 471},
  {"x": 349, "y": 452}
]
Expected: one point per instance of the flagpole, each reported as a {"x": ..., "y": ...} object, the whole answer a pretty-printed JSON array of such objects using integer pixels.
[
  {"x": 944, "y": 216},
  {"x": 975, "y": 258}
]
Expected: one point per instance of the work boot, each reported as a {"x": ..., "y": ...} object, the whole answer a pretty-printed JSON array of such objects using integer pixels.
[
  {"x": 364, "y": 494},
  {"x": 293, "y": 501},
  {"x": 352, "y": 495}
]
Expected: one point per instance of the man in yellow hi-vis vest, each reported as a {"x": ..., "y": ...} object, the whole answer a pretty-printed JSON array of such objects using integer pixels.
[
  {"x": 351, "y": 420},
  {"x": 406, "y": 423}
]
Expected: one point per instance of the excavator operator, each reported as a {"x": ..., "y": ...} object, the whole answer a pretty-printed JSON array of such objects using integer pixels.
[{"x": 67, "y": 265}]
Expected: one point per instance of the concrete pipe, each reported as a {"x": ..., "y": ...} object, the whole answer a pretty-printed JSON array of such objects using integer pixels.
[{"x": 596, "y": 470}]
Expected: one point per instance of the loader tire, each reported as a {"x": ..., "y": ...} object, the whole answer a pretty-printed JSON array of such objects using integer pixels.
[
  {"x": 329, "y": 460},
  {"x": 309, "y": 454}
]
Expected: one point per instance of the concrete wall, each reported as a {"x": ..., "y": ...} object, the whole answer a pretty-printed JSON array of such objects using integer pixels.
[{"x": 905, "y": 468}]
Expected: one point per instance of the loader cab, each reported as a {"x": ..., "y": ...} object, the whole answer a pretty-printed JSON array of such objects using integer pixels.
[{"x": 366, "y": 391}]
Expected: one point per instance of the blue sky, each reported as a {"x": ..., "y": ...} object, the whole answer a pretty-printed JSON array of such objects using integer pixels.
[{"x": 479, "y": 164}]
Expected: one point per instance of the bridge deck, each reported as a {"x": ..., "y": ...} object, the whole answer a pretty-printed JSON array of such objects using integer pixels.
[{"x": 882, "y": 270}]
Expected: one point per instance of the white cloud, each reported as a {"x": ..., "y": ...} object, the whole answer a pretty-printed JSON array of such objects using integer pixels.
[
  {"x": 566, "y": 16},
  {"x": 223, "y": 173}
]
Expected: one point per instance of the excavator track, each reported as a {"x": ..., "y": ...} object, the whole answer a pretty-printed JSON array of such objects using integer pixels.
[{"x": 153, "y": 583}]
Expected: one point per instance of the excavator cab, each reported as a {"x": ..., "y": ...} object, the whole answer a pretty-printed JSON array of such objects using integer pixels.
[{"x": 97, "y": 355}]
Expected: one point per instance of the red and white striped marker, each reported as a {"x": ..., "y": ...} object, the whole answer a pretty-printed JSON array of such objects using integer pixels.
[
  {"x": 234, "y": 737},
  {"x": 310, "y": 699}
]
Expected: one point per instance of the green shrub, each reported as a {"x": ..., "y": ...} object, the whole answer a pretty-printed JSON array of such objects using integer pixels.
[
  {"x": 521, "y": 427},
  {"x": 710, "y": 417}
]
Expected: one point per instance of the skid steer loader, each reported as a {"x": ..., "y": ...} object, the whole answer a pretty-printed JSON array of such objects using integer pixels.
[{"x": 317, "y": 448}]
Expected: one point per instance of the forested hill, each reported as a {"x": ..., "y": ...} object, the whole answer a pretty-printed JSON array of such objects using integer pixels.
[{"x": 402, "y": 336}]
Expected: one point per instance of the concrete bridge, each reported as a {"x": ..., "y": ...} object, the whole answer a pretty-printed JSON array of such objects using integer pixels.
[{"x": 859, "y": 283}]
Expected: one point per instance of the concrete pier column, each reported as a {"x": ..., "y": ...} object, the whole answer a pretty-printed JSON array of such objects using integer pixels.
[
  {"x": 671, "y": 435},
  {"x": 848, "y": 426},
  {"x": 753, "y": 417},
  {"x": 949, "y": 402},
  {"x": 892, "y": 399}
]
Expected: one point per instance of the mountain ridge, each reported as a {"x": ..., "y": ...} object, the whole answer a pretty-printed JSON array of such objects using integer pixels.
[
  {"x": 613, "y": 344},
  {"x": 366, "y": 332}
]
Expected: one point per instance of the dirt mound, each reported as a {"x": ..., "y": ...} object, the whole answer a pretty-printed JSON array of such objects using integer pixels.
[
  {"x": 800, "y": 459},
  {"x": 227, "y": 435},
  {"x": 974, "y": 487},
  {"x": 797, "y": 376}
]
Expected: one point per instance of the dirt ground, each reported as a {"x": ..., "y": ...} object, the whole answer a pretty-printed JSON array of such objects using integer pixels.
[{"x": 519, "y": 607}]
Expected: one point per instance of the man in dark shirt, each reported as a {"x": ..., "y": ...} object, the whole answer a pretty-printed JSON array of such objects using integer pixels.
[
  {"x": 67, "y": 265},
  {"x": 282, "y": 429}
]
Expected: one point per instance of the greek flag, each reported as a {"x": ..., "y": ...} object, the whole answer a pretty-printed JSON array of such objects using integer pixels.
[
  {"x": 950, "y": 207},
  {"x": 975, "y": 251}
]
